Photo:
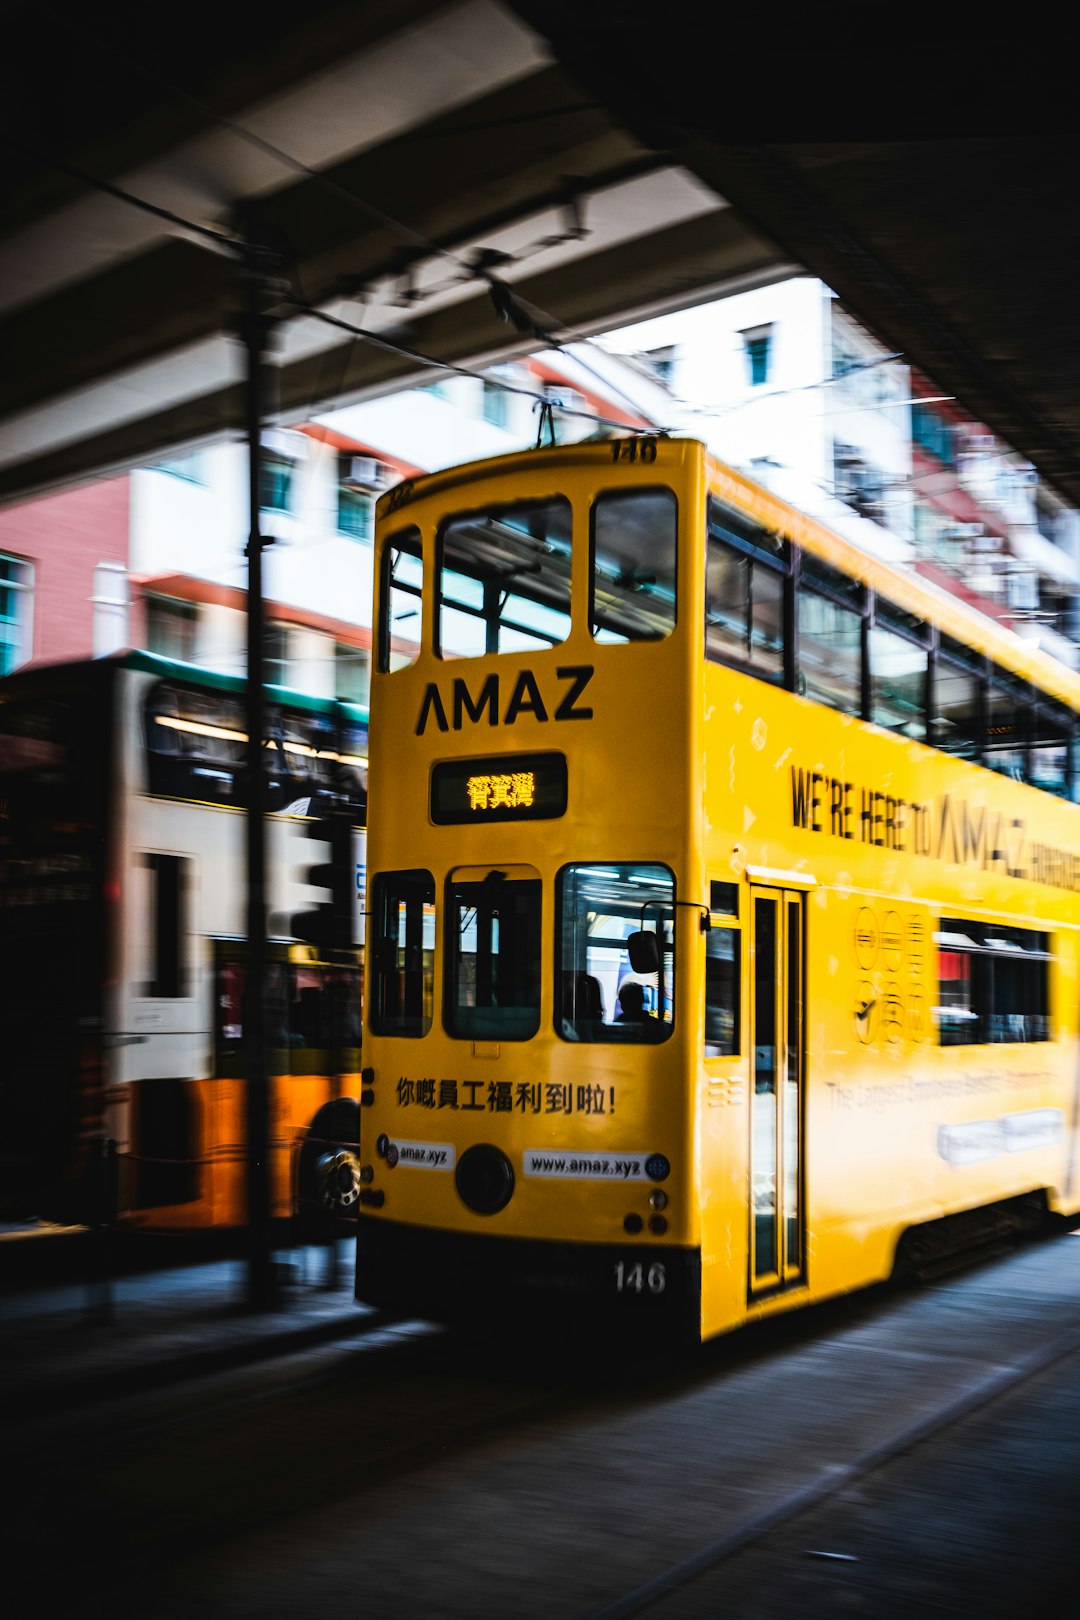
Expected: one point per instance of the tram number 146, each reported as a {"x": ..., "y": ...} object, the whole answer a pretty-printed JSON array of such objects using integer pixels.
[{"x": 639, "y": 1279}]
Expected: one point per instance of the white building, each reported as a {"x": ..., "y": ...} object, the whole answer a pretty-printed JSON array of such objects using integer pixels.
[
  {"x": 189, "y": 516},
  {"x": 782, "y": 383}
]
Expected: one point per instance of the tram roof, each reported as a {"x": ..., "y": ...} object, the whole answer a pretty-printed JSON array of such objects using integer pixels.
[{"x": 914, "y": 593}]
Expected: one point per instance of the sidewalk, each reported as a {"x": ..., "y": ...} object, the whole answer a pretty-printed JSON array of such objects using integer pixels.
[{"x": 65, "y": 1343}]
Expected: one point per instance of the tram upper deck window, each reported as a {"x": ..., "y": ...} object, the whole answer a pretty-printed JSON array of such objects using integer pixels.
[
  {"x": 899, "y": 663},
  {"x": 830, "y": 620},
  {"x": 744, "y": 594},
  {"x": 956, "y": 726},
  {"x": 401, "y": 621},
  {"x": 196, "y": 749},
  {"x": 504, "y": 579},
  {"x": 403, "y": 961},
  {"x": 1053, "y": 747},
  {"x": 598, "y": 908},
  {"x": 196, "y": 744},
  {"x": 493, "y": 954},
  {"x": 1008, "y": 710},
  {"x": 633, "y": 578}
]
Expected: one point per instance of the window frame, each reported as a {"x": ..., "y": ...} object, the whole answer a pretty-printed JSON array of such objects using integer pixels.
[
  {"x": 984, "y": 945},
  {"x": 406, "y": 1024},
  {"x": 490, "y": 613},
  {"x": 407, "y": 542},
  {"x": 17, "y": 576},
  {"x": 806, "y": 575},
  {"x": 491, "y": 1020},
  {"x": 588, "y": 1028},
  {"x": 596, "y": 625}
]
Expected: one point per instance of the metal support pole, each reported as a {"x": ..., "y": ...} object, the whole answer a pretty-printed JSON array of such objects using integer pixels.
[{"x": 262, "y": 1281}]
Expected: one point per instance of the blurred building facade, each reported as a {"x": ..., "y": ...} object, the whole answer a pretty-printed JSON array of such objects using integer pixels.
[
  {"x": 155, "y": 558},
  {"x": 779, "y": 381},
  {"x": 784, "y": 384}
]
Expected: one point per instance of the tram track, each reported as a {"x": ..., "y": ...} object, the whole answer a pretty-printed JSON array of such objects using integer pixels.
[{"x": 835, "y": 1478}]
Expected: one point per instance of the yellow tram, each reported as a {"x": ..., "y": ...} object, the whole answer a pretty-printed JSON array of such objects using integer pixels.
[{"x": 723, "y": 903}]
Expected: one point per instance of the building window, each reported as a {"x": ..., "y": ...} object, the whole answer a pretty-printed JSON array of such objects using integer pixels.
[
  {"x": 495, "y": 404},
  {"x": 932, "y": 434},
  {"x": 661, "y": 362},
  {"x": 275, "y": 482},
  {"x": 276, "y": 655},
  {"x": 857, "y": 483},
  {"x": 359, "y": 480},
  {"x": 189, "y": 467},
  {"x": 757, "y": 343},
  {"x": 16, "y": 603},
  {"x": 170, "y": 628},
  {"x": 352, "y": 673},
  {"x": 110, "y": 602},
  {"x": 354, "y": 512}
]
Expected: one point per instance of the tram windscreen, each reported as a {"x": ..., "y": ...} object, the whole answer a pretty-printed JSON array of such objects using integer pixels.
[
  {"x": 504, "y": 579},
  {"x": 493, "y": 955},
  {"x": 600, "y": 997}
]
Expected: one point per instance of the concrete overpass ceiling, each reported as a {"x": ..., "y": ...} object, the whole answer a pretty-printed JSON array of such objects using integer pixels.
[
  {"x": 921, "y": 167},
  {"x": 400, "y": 155}
]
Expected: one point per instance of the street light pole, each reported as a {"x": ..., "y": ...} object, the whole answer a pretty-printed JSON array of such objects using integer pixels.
[{"x": 262, "y": 1282}]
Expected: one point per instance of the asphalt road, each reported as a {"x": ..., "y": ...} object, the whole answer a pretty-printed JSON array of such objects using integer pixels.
[{"x": 897, "y": 1454}]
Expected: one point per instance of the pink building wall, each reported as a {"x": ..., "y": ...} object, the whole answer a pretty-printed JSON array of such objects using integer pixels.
[{"x": 65, "y": 536}]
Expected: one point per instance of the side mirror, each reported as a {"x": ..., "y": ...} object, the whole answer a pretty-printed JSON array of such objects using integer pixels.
[{"x": 644, "y": 952}]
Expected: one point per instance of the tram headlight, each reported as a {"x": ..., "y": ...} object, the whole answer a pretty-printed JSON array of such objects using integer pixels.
[{"x": 658, "y": 1198}]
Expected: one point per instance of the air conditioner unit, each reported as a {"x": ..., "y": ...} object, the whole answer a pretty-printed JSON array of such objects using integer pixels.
[
  {"x": 963, "y": 533},
  {"x": 368, "y": 473},
  {"x": 567, "y": 398},
  {"x": 1023, "y": 591},
  {"x": 285, "y": 442}
]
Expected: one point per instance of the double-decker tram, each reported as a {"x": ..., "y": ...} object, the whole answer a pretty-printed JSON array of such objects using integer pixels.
[
  {"x": 724, "y": 942},
  {"x": 123, "y": 947}
]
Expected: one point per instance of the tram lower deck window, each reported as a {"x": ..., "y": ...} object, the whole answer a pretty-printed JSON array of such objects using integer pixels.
[
  {"x": 722, "y": 963},
  {"x": 493, "y": 954},
  {"x": 599, "y": 995},
  {"x": 993, "y": 984},
  {"x": 403, "y": 970}
]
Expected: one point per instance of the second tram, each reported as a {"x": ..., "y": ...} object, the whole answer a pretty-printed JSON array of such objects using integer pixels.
[{"x": 122, "y": 950}]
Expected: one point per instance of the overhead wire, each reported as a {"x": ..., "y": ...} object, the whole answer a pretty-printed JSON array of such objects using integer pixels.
[{"x": 510, "y": 306}]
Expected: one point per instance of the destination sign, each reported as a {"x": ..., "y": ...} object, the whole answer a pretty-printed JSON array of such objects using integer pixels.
[{"x": 503, "y": 787}]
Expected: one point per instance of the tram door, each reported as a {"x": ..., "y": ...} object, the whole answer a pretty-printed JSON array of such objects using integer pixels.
[{"x": 777, "y": 1249}]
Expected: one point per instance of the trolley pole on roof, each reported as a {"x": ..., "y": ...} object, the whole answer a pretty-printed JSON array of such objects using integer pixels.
[{"x": 262, "y": 1283}]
